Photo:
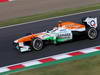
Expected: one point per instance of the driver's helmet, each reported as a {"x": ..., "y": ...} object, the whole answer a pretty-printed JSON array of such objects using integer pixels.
[{"x": 60, "y": 23}]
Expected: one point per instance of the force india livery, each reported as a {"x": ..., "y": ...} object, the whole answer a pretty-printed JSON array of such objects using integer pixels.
[{"x": 64, "y": 31}]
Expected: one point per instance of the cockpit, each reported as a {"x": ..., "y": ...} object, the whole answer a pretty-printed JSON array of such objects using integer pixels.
[{"x": 57, "y": 29}]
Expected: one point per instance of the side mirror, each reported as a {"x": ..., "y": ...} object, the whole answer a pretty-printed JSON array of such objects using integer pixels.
[{"x": 47, "y": 31}]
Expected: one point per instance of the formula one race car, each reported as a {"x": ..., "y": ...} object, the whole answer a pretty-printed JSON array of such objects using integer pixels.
[{"x": 64, "y": 31}]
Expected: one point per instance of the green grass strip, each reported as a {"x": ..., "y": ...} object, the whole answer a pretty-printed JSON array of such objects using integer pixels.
[
  {"x": 48, "y": 15},
  {"x": 54, "y": 62}
]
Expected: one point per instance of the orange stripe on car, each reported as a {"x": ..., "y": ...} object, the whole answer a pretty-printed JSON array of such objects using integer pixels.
[
  {"x": 27, "y": 38},
  {"x": 71, "y": 25}
]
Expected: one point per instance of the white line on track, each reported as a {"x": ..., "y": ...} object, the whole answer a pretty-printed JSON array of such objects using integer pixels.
[{"x": 48, "y": 19}]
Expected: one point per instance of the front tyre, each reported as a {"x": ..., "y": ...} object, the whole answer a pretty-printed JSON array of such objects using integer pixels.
[
  {"x": 37, "y": 44},
  {"x": 92, "y": 33}
]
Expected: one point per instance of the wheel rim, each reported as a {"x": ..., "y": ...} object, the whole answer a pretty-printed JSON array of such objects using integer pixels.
[
  {"x": 92, "y": 33},
  {"x": 37, "y": 44}
]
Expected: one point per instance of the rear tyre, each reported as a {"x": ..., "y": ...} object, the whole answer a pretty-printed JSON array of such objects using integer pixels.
[
  {"x": 37, "y": 44},
  {"x": 92, "y": 33}
]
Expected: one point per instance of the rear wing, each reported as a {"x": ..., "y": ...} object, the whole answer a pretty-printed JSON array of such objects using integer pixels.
[{"x": 92, "y": 22}]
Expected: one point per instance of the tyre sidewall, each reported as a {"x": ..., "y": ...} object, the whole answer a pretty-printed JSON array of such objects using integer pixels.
[
  {"x": 88, "y": 33},
  {"x": 34, "y": 41}
]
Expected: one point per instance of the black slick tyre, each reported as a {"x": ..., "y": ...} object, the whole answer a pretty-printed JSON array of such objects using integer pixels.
[
  {"x": 37, "y": 44},
  {"x": 92, "y": 33}
]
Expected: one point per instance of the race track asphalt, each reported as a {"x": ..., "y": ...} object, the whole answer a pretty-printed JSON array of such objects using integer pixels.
[{"x": 9, "y": 55}]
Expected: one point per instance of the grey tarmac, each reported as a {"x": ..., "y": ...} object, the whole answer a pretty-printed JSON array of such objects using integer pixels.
[{"x": 9, "y": 55}]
